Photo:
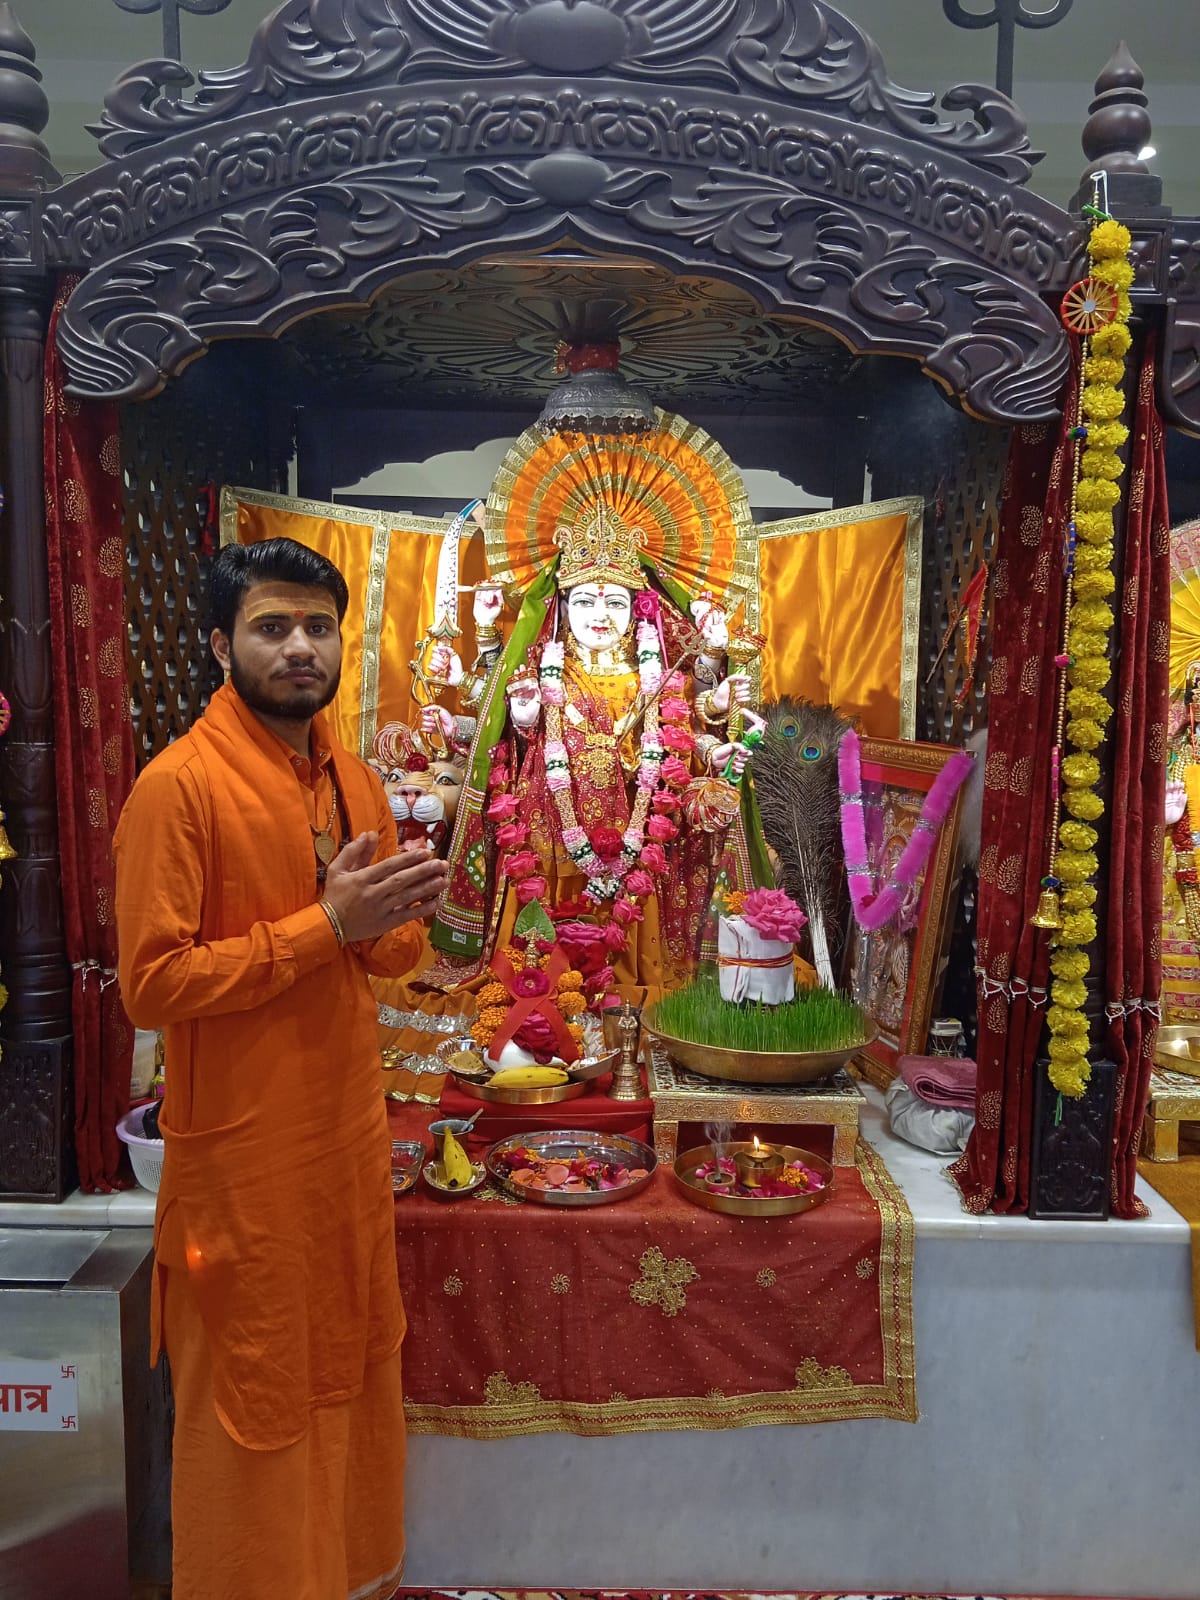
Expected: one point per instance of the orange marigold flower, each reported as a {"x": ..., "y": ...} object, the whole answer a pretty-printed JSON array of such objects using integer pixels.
[{"x": 493, "y": 994}]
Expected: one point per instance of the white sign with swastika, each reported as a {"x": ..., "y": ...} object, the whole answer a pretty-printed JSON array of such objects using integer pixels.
[{"x": 39, "y": 1397}]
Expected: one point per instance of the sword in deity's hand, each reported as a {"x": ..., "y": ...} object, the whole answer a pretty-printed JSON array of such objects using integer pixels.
[{"x": 427, "y": 684}]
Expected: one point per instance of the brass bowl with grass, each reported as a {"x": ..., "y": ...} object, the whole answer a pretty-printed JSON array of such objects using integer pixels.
[
  {"x": 754, "y": 1066},
  {"x": 801, "y": 1040}
]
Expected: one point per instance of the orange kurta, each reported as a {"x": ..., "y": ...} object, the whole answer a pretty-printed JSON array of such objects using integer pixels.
[{"x": 276, "y": 1196}]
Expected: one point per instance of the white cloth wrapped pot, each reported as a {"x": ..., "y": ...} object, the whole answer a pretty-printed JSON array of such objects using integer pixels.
[{"x": 753, "y": 967}]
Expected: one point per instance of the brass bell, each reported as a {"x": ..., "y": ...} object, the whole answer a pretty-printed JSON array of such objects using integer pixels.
[
  {"x": 7, "y": 853},
  {"x": 1049, "y": 912}
]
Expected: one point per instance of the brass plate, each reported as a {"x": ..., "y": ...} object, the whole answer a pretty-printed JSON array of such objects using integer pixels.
[
  {"x": 753, "y": 1066},
  {"x": 547, "y": 1095},
  {"x": 566, "y": 1143},
  {"x": 739, "y": 1205},
  {"x": 544, "y": 1095},
  {"x": 1178, "y": 1048},
  {"x": 432, "y": 1173}
]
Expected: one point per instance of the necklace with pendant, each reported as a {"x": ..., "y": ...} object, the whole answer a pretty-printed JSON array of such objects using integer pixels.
[{"x": 323, "y": 841}]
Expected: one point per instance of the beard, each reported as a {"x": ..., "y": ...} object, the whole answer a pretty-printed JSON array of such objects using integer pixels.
[{"x": 289, "y": 703}]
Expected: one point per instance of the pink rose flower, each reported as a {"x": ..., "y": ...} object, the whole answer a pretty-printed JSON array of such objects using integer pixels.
[
  {"x": 665, "y": 803},
  {"x": 626, "y": 912},
  {"x": 638, "y": 882},
  {"x": 614, "y": 937},
  {"x": 503, "y": 807},
  {"x": 653, "y": 858},
  {"x": 774, "y": 915},
  {"x": 676, "y": 683},
  {"x": 675, "y": 772},
  {"x": 511, "y": 835},
  {"x": 604, "y": 980},
  {"x": 531, "y": 889},
  {"x": 530, "y": 984},
  {"x": 537, "y": 1035},
  {"x": 519, "y": 865},
  {"x": 646, "y": 606},
  {"x": 662, "y": 829},
  {"x": 677, "y": 738},
  {"x": 673, "y": 709}
]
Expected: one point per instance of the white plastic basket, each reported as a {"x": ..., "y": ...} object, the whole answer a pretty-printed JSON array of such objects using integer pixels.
[{"x": 145, "y": 1154}]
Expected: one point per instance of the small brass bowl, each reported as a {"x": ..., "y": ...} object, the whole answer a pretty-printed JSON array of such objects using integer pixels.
[
  {"x": 1178, "y": 1048},
  {"x": 754, "y": 1066}
]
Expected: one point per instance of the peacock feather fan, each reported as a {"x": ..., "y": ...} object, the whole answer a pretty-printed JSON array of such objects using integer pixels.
[{"x": 796, "y": 781}]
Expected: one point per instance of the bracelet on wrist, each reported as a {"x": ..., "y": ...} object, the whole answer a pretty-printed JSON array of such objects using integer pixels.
[{"x": 335, "y": 922}]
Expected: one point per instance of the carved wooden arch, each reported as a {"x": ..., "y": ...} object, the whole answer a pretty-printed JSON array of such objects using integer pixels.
[{"x": 759, "y": 141}]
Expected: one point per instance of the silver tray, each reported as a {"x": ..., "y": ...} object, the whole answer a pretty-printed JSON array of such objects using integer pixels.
[{"x": 566, "y": 1143}]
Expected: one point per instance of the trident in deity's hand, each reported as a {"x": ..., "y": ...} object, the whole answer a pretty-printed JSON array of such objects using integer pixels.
[
  {"x": 1006, "y": 16},
  {"x": 170, "y": 17}
]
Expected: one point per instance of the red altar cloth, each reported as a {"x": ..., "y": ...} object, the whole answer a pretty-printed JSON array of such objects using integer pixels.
[
  {"x": 594, "y": 1111},
  {"x": 653, "y": 1314}
]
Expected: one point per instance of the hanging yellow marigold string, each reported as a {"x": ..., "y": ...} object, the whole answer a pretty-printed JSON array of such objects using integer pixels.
[{"x": 1098, "y": 309}]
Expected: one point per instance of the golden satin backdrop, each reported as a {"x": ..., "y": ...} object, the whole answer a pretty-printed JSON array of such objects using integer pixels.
[
  {"x": 839, "y": 602},
  {"x": 390, "y": 562}
]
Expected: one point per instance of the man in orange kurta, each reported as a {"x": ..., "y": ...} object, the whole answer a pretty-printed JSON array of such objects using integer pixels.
[{"x": 258, "y": 884}]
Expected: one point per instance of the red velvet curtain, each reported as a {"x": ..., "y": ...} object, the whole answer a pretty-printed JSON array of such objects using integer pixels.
[
  {"x": 1013, "y": 957},
  {"x": 93, "y": 744},
  {"x": 1139, "y": 734}
]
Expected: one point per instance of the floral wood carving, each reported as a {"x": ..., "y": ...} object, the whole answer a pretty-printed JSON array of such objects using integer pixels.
[
  {"x": 800, "y": 51},
  {"x": 887, "y": 249}
]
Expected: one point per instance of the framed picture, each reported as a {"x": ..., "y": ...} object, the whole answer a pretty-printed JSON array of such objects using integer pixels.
[{"x": 895, "y": 973}]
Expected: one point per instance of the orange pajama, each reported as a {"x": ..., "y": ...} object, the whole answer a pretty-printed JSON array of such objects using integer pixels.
[{"x": 321, "y": 1519}]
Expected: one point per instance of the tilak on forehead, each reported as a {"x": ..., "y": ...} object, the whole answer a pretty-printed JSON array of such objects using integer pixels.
[{"x": 294, "y": 600}]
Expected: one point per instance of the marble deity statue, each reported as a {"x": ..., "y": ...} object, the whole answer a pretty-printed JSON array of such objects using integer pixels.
[{"x": 604, "y": 776}]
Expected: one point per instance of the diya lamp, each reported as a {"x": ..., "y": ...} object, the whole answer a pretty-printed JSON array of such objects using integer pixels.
[{"x": 756, "y": 1163}]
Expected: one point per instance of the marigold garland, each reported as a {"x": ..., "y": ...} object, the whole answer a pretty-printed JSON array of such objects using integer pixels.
[{"x": 1083, "y": 712}]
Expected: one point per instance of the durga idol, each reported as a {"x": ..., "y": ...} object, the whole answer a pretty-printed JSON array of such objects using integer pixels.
[{"x": 604, "y": 783}]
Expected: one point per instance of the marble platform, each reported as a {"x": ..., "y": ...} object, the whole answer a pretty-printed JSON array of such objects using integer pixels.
[{"x": 1056, "y": 1453}]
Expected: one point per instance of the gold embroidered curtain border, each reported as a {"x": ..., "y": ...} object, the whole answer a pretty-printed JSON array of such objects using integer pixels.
[{"x": 821, "y": 1394}]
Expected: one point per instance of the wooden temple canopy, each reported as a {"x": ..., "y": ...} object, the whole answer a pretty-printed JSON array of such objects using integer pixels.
[{"x": 756, "y": 142}]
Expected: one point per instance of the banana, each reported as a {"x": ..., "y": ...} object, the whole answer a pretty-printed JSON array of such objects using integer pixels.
[
  {"x": 456, "y": 1164},
  {"x": 527, "y": 1078}
]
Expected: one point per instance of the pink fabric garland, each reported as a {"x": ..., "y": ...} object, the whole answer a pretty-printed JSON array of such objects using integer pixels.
[{"x": 872, "y": 911}]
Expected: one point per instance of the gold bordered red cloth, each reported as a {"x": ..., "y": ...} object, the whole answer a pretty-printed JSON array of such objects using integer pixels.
[{"x": 653, "y": 1314}]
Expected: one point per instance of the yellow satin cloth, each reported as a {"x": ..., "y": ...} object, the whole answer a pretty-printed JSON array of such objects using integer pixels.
[
  {"x": 390, "y": 566},
  {"x": 838, "y": 606}
]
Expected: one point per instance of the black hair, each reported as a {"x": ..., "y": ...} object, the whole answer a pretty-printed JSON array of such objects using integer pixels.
[{"x": 239, "y": 566}]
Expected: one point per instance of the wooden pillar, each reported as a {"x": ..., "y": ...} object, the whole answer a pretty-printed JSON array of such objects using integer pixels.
[
  {"x": 1072, "y": 1156},
  {"x": 36, "y": 1144}
]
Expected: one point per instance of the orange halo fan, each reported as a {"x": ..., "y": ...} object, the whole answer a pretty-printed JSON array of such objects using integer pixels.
[
  {"x": 676, "y": 487},
  {"x": 1089, "y": 305}
]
